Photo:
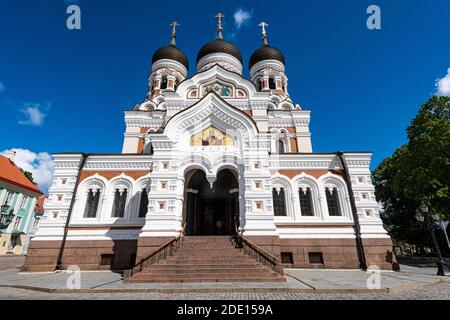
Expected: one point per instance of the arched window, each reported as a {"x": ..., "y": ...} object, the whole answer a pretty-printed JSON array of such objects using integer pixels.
[
  {"x": 163, "y": 83},
  {"x": 334, "y": 208},
  {"x": 279, "y": 202},
  {"x": 120, "y": 199},
  {"x": 306, "y": 203},
  {"x": 143, "y": 205},
  {"x": 272, "y": 85},
  {"x": 280, "y": 146},
  {"x": 258, "y": 84},
  {"x": 93, "y": 197}
]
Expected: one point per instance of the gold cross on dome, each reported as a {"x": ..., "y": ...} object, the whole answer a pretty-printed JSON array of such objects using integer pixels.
[
  {"x": 174, "y": 27},
  {"x": 219, "y": 17},
  {"x": 264, "y": 25}
]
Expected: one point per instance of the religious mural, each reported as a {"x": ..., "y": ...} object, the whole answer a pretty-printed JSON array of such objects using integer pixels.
[
  {"x": 219, "y": 88},
  {"x": 212, "y": 137}
]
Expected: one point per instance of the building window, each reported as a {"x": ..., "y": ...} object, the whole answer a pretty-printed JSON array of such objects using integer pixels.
[
  {"x": 334, "y": 209},
  {"x": 120, "y": 199},
  {"x": 163, "y": 83},
  {"x": 24, "y": 202},
  {"x": 280, "y": 147},
  {"x": 258, "y": 84},
  {"x": 162, "y": 206},
  {"x": 287, "y": 257},
  {"x": 279, "y": 202},
  {"x": 63, "y": 181},
  {"x": 106, "y": 259},
  {"x": 143, "y": 206},
  {"x": 306, "y": 205},
  {"x": 17, "y": 223},
  {"x": 36, "y": 223},
  {"x": 272, "y": 85},
  {"x": 315, "y": 257},
  {"x": 93, "y": 197},
  {"x": 9, "y": 197}
]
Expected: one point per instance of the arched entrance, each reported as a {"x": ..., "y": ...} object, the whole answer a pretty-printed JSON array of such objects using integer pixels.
[{"x": 211, "y": 211}]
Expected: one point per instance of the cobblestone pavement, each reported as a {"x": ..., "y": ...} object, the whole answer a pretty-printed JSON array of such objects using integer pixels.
[{"x": 436, "y": 291}]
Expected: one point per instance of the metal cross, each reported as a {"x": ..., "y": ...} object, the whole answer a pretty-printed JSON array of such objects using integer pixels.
[
  {"x": 264, "y": 25},
  {"x": 219, "y": 16},
  {"x": 174, "y": 27}
]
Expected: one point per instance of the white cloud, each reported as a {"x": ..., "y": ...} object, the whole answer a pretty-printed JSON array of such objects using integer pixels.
[
  {"x": 241, "y": 17},
  {"x": 443, "y": 85},
  {"x": 39, "y": 164},
  {"x": 33, "y": 115},
  {"x": 2, "y": 87}
]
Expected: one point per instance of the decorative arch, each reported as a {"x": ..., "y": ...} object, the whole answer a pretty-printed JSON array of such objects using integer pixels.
[
  {"x": 335, "y": 183},
  {"x": 97, "y": 183},
  {"x": 211, "y": 110},
  {"x": 279, "y": 182},
  {"x": 301, "y": 183},
  {"x": 122, "y": 186}
]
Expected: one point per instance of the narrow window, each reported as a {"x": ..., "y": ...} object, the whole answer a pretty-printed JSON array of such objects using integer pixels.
[
  {"x": 306, "y": 202},
  {"x": 120, "y": 198},
  {"x": 143, "y": 206},
  {"x": 258, "y": 84},
  {"x": 280, "y": 146},
  {"x": 93, "y": 197},
  {"x": 163, "y": 83},
  {"x": 17, "y": 223},
  {"x": 334, "y": 208},
  {"x": 272, "y": 85},
  {"x": 279, "y": 202}
]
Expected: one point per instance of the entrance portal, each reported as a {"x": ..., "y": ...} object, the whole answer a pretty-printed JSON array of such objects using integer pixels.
[{"x": 211, "y": 211}]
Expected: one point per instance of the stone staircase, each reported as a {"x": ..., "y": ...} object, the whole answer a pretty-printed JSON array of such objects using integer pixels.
[{"x": 207, "y": 259}]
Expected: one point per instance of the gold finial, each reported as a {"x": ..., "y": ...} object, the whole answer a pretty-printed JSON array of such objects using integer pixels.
[
  {"x": 263, "y": 25},
  {"x": 219, "y": 17},
  {"x": 173, "y": 36}
]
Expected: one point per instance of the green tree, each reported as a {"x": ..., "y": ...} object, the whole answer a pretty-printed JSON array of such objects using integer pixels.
[
  {"x": 417, "y": 172},
  {"x": 29, "y": 175}
]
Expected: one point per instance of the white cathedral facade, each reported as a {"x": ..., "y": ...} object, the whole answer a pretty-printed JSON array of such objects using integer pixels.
[{"x": 207, "y": 154}]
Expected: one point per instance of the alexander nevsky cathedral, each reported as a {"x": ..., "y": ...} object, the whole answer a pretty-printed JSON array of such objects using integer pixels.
[{"x": 207, "y": 157}]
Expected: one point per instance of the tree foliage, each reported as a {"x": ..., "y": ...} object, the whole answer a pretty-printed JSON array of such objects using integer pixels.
[
  {"x": 29, "y": 176},
  {"x": 418, "y": 172}
]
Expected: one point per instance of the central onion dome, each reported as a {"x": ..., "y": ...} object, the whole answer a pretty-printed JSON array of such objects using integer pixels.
[
  {"x": 221, "y": 52},
  {"x": 171, "y": 52},
  {"x": 219, "y": 46}
]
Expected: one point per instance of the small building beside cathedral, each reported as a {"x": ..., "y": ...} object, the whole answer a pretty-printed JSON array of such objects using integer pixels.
[
  {"x": 18, "y": 198},
  {"x": 210, "y": 155}
]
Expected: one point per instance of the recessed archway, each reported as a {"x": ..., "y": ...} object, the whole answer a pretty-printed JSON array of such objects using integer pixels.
[{"x": 211, "y": 210}]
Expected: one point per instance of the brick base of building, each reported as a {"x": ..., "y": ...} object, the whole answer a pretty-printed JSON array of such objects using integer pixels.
[
  {"x": 336, "y": 253},
  {"x": 87, "y": 255},
  {"x": 123, "y": 254}
]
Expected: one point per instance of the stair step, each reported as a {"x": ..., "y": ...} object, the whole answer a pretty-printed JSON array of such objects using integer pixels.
[
  {"x": 205, "y": 271},
  {"x": 206, "y": 259},
  {"x": 205, "y": 266},
  {"x": 191, "y": 280}
]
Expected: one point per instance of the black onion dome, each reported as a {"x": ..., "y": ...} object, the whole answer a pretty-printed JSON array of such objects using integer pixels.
[
  {"x": 266, "y": 52},
  {"x": 219, "y": 46},
  {"x": 171, "y": 52}
]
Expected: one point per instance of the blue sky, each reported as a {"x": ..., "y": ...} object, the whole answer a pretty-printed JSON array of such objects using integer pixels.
[{"x": 64, "y": 90}]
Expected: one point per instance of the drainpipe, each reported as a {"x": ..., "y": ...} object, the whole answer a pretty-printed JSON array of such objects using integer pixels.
[
  {"x": 357, "y": 226},
  {"x": 72, "y": 202}
]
